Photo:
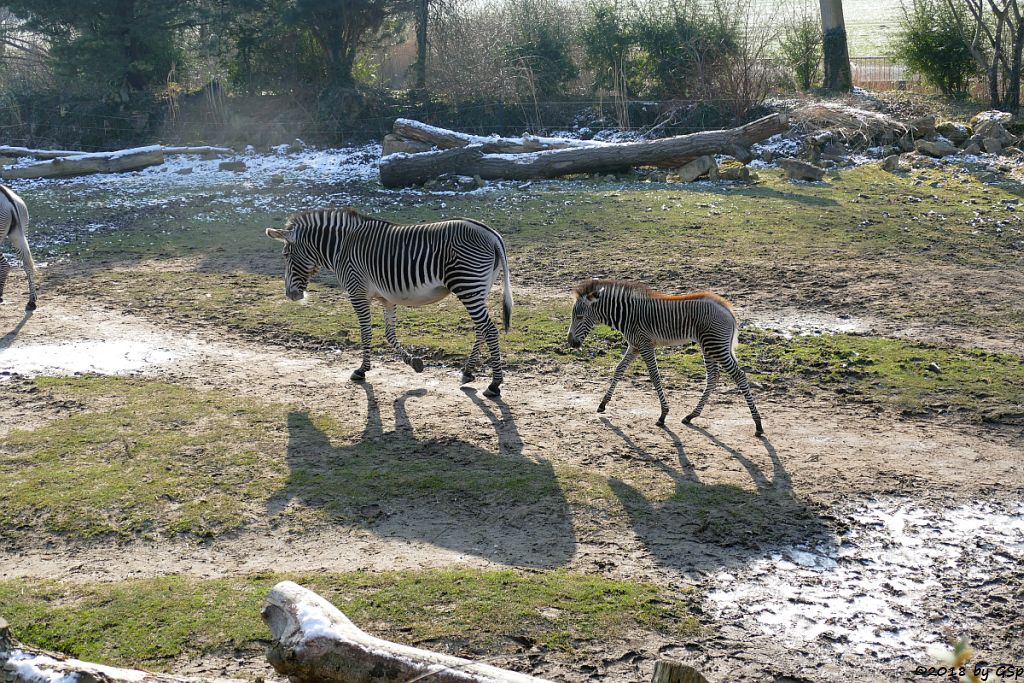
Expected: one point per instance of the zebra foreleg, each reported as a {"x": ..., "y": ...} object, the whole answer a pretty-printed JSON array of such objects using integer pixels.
[
  {"x": 362, "y": 307},
  {"x": 647, "y": 353},
  {"x": 390, "y": 317},
  {"x": 736, "y": 372},
  {"x": 471, "y": 362},
  {"x": 620, "y": 369},
  {"x": 476, "y": 306},
  {"x": 712, "y": 379}
]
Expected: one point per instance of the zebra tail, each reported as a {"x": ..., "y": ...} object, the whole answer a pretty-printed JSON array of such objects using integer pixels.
[
  {"x": 17, "y": 234},
  {"x": 506, "y": 301}
]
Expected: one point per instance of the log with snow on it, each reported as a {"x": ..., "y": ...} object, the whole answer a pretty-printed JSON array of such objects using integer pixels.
[
  {"x": 23, "y": 664},
  {"x": 442, "y": 138},
  {"x": 48, "y": 154},
  {"x": 85, "y": 164},
  {"x": 313, "y": 642},
  {"x": 404, "y": 170}
]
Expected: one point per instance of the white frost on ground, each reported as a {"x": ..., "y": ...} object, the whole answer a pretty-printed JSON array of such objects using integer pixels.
[
  {"x": 105, "y": 357},
  {"x": 866, "y": 592},
  {"x": 794, "y": 323}
]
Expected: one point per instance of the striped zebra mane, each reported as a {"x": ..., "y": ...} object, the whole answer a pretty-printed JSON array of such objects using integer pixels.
[
  {"x": 644, "y": 291},
  {"x": 347, "y": 210}
]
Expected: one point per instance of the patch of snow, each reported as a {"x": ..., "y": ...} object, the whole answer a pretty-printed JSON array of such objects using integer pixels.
[
  {"x": 33, "y": 668},
  {"x": 866, "y": 592},
  {"x": 105, "y": 357}
]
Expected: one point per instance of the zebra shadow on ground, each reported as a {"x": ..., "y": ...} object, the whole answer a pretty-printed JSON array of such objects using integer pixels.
[
  {"x": 703, "y": 526},
  {"x": 445, "y": 491},
  {"x": 8, "y": 339}
]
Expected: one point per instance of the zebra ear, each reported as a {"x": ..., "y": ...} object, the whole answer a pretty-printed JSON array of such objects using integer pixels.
[
  {"x": 279, "y": 235},
  {"x": 595, "y": 295}
]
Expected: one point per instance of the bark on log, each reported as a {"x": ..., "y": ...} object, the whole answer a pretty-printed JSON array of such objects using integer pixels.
[
  {"x": 313, "y": 642},
  {"x": 23, "y": 664},
  {"x": 443, "y": 138},
  {"x": 84, "y": 164},
  {"x": 403, "y": 170}
]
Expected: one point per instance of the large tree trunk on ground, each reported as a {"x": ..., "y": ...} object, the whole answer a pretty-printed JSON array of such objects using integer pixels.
[
  {"x": 838, "y": 77},
  {"x": 313, "y": 642},
  {"x": 24, "y": 152},
  {"x": 84, "y": 164},
  {"x": 403, "y": 170},
  {"x": 443, "y": 138},
  {"x": 23, "y": 664}
]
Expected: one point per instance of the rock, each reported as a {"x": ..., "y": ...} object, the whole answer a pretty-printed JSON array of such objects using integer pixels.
[
  {"x": 834, "y": 151},
  {"x": 479, "y": 182},
  {"x": 302, "y": 167},
  {"x": 277, "y": 179},
  {"x": 296, "y": 146},
  {"x": 923, "y": 127},
  {"x": 890, "y": 163},
  {"x": 994, "y": 129},
  {"x": 801, "y": 170},
  {"x": 734, "y": 171},
  {"x": 934, "y": 367},
  {"x": 1001, "y": 117},
  {"x": 972, "y": 149},
  {"x": 992, "y": 145},
  {"x": 957, "y": 133},
  {"x": 696, "y": 168},
  {"x": 938, "y": 149},
  {"x": 394, "y": 144},
  {"x": 184, "y": 171},
  {"x": 906, "y": 143},
  {"x": 236, "y": 166}
]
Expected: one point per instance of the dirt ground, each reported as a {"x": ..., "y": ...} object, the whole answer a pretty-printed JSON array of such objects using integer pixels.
[{"x": 826, "y": 484}]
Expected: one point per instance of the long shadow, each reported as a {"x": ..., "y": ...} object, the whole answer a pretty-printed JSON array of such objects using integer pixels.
[
  {"x": 8, "y": 339},
  {"x": 445, "y": 491},
  {"x": 703, "y": 526},
  {"x": 771, "y": 193}
]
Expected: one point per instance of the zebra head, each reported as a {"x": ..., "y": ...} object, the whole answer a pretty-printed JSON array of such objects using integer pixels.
[
  {"x": 583, "y": 316},
  {"x": 300, "y": 263}
]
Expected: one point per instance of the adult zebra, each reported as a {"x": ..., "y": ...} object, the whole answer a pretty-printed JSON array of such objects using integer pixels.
[
  {"x": 13, "y": 225},
  {"x": 411, "y": 265},
  {"x": 647, "y": 318}
]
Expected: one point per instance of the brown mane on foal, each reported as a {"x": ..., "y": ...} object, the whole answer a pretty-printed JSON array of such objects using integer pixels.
[{"x": 589, "y": 286}]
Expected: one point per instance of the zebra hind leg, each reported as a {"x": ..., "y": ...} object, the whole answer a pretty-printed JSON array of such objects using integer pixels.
[
  {"x": 647, "y": 353},
  {"x": 712, "y": 379},
  {"x": 732, "y": 367},
  {"x": 4, "y": 269},
  {"x": 620, "y": 369},
  {"x": 415, "y": 362},
  {"x": 476, "y": 305},
  {"x": 471, "y": 362},
  {"x": 17, "y": 238}
]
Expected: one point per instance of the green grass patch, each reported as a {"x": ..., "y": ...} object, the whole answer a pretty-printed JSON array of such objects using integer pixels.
[{"x": 152, "y": 622}]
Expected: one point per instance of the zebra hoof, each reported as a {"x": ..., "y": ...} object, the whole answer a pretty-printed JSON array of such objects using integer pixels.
[
  {"x": 493, "y": 391},
  {"x": 688, "y": 419},
  {"x": 600, "y": 408},
  {"x": 468, "y": 377},
  {"x": 417, "y": 364},
  {"x": 30, "y": 306},
  {"x": 660, "y": 422},
  {"x": 759, "y": 431},
  {"x": 358, "y": 375}
]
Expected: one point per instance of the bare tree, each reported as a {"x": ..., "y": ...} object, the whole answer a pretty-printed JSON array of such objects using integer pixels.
[
  {"x": 838, "y": 76},
  {"x": 997, "y": 42}
]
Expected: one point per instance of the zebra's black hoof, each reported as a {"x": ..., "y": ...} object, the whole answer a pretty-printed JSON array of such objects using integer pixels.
[
  {"x": 688, "y": 419},
  {"x": 30, "y": 306},
  {"x": 493, "y": 390},
  {"x": 660, "y": 422},
  {"x": 358, "y": 375},
  {"x": 468, "y": 377},
  {"x": 417, "y": 364},
  {"x": 600, "y": 408}
]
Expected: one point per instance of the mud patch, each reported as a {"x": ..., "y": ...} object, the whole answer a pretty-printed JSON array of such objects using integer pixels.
[{"x": 870, "y": 590}]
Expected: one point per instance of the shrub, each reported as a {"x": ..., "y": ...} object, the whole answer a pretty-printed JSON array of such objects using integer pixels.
[
  {"x": 801, "y": 47},
  {"x": 932, "y": 42},
  {"x": 539, "y": 47}
]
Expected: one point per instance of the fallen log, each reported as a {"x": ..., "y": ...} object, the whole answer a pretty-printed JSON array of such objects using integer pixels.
[
  {"x": 23, "y": 664},
  {"x": 26, "y": 152},
  {"x": 313, "y": 642},
  {"x": 443, "y": 138},
  {"x": 84, "y": 164},
  {"x": 403, "y": 170}
]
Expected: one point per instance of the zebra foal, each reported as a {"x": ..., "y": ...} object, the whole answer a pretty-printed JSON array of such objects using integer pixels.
[
  {"x": 647, "y": 318},
  {"x": 13, "y": 225},
  {"x": 408, "y": 265}
]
